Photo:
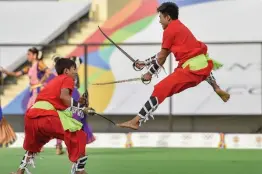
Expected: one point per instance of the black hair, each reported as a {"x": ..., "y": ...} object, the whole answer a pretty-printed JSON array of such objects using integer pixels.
[
  {"x": 74, "y": 58},
  {"x": 34, "y": 50},
  {"x": 62, "y": 64},
  {"x": 169, "y": 8},
  {"x": 56, "y": 58}
]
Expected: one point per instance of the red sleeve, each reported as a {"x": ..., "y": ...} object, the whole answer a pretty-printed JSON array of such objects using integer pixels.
[
  {"x": 68, "y": 83},
  {"x": 167, "y": 40}
]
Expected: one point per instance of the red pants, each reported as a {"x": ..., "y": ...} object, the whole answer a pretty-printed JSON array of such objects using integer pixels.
[
  {"x": 180, "y": 80},
  {"x": 40, "y": 130}
]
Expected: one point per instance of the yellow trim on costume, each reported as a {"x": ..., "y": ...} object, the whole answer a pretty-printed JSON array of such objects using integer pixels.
[
  {"x": 66, "y": 116},
  {"x": 200, "y": 62}
]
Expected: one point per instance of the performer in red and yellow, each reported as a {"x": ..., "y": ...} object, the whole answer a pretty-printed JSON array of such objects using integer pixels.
[
  {"x": 76, "y": 96},
  {"x": 51, "y": 117},
  {"x": 194, "y": 64}
]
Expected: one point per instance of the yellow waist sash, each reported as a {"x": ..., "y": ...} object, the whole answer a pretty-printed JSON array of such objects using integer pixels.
[
  {"x": 201, "y": 62},
  {"x": 66, "y": 116}
]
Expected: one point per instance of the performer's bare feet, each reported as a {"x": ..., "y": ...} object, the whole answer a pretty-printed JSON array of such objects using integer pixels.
[
  {"x": 222, "y": 94},
  {"x": 132, "y": 124},
  {"x": 59, "y": 150},
  {"x": 19, "y": 171}
]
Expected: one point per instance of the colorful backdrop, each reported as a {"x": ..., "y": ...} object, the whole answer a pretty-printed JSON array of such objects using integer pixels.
[{"x": 138, "y": 22}]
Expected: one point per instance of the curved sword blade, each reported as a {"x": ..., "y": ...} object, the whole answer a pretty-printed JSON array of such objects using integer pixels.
[{"x": 124, "y": 52}]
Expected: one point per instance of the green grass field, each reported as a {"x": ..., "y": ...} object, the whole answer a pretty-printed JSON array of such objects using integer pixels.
[{"x": 144, "y": 161}]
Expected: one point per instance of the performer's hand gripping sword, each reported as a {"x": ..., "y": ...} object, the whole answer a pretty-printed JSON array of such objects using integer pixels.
[
  {"x": 130, "y": 58},
  {"x": 90, "y": 111}
]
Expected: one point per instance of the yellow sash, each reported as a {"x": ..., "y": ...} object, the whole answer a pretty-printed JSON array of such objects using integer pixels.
[
  {"x": 66, "y": 116},
  {"x": 200, "y": 62}
]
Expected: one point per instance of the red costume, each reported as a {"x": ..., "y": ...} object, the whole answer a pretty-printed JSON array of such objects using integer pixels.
[
  {"x": 42, "y": 125},
  {"x": 181, "y": 42}
]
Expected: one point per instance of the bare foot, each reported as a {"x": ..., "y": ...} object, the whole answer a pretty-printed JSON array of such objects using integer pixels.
[
  {"x": 59, "y": 151},
  {"x": 18, "y": 172},
  {"x": 222, "y": 94},
  {"x": 132, "y": 124}
]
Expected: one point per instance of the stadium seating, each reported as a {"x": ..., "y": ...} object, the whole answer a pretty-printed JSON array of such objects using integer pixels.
[
  {"x": 17, "y": 54},
  {"x": 36, "y": 23}
]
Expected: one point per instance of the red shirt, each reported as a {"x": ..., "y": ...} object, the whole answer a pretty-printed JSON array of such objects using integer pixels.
[
  {"x": 52, "y": 90},
  {"x": 51, "y": 93},
  {"x": 181, "y": 42}
]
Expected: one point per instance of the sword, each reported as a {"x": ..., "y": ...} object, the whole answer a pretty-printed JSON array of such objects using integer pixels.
[
  {"x": 106, "y": 118},
  {"x": 146, "y": 82},
  {"x": 123, "y": 51},
  {"x": 92, "y": 112},
  {"x": 129, "y": 57},
  {"x": 118, "y": 81}
]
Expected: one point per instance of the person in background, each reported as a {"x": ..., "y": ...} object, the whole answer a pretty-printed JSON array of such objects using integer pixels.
[{"x": 37, "y": 72}]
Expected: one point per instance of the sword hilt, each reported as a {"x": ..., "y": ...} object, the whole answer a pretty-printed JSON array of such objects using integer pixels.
[
  {"x": 136, "y": 68},
  {"x": 146, "y": 82},
  {"x": 89, "y": 111}
]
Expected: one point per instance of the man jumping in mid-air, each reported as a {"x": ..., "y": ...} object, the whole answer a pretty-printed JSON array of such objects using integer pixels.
[{"x": 194, "y": 64}]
